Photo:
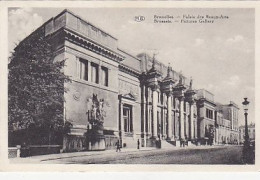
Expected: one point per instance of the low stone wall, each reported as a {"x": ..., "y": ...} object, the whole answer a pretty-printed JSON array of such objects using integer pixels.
[
  {"x": 73, "y": 143},
  {"x": 110, "y": 141},
  {"x": 43, "y": 149},
  {"x": 14, "y": 152},
  {"x": 33, "y": 150}
]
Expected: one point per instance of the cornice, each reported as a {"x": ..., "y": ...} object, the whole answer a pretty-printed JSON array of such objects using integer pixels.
[
  {"x": 89, "y": 44},
  {"x": 205, "y": 100},
  {"x": 129, "y": 70}
]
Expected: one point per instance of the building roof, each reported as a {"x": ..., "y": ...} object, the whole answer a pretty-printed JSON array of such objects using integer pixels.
[
  {"x": 84, "y": 20},
  {"x": 131, "y": 61},
  {"x": 147, "y": 63},
  {"x": 203, "y": 93}
]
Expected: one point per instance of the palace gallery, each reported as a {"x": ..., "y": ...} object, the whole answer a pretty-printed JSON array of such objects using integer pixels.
[{"x": 139, "y": 98}]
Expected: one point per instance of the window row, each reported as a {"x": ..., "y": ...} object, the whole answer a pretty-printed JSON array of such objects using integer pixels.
[{"x": 89, "y": 71}]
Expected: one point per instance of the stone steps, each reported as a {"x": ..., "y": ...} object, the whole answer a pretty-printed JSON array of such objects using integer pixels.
[{"x": 167, "y": 144}]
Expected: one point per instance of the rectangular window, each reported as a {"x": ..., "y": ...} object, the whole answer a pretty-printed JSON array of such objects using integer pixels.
[
  {"x": 104, "y": 76},
  {"x": 127, "y": 116},
  {"x": 209, "y": 114},
  {"x": 94, "y": 73},
  {"x": 83, "y": 69}
]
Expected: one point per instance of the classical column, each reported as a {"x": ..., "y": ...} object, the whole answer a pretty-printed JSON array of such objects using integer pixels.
[
  {"x": 143, "y": 115},
  {"x": 99, "y": 74},
  {"x": 154, "y": 106},
  {"x": 191, "y": 120},
  {"x": 148, "y": 112},
  {"x": 232, "y": 119},
  {"x": 122, "y": 120},
  {"x": 169, "y": 115},
  {"x": 144, "y": 118},
  {"x": 181, "y": 116},
  {"x": 174, "y": 123},
  {"x": 176, "y": 130},
  {"x": 186, "y": 121},
  {"x": 164, "y": 115}
]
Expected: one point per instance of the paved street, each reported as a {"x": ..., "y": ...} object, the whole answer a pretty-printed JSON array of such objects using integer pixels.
[{"x": 188, "y": 155}]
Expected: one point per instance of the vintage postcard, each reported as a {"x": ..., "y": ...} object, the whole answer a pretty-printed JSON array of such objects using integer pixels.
[{"x": 150, "y": 84}]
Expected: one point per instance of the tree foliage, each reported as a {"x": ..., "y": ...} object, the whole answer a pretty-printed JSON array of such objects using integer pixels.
[{"x": 36, "y": 86}]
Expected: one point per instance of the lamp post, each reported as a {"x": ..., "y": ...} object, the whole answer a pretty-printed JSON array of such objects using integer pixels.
[{"x": 246, "y": 148}]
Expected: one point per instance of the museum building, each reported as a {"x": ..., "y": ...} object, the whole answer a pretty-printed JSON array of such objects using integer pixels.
[{"x": 141, "y": 98}]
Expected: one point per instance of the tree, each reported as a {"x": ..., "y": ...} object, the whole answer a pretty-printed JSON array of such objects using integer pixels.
[{"x": 36, "y": 90}]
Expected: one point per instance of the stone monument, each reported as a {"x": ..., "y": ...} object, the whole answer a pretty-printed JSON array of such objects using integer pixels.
[{"x": 95, "y": 138}]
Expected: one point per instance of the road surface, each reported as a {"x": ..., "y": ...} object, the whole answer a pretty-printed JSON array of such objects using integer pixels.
[{"x": 197, "y": 155}]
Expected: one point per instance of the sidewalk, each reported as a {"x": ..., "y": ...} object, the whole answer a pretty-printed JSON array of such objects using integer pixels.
[{"x": 41, "y": 158}]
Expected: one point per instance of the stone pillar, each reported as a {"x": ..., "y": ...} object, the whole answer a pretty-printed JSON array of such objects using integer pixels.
[
  {"x": 196, "y": 129},
  {"x": 121, "y": 120},
  {"x": 191, "y": 120},
  {"x": 89, "y": 71},
  {"x": 99, "y": 74},
  {"x": 232, "y": 119},
  {"x": 154, "y": 106},
  {"x": 132, "y": 123},
  {"x": 169, "y": 116},
  {"x": 181, "y": 116},
  {"x": 177, "y": 125},
  {"x": 186, "y": 120},
  {"x": 164, "y": 116},
  {"x": 18, "y": 152},
  {"x": 174, "y": 123},
  {"x": 148, "y": 112},
  {"x": 216, "y": 136},
  {"x": 143, "y": 115},
  {"x": 144, "y": 119}
]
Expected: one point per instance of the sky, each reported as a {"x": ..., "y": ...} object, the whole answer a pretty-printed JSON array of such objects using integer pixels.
[{"x": 218, "y": 56}]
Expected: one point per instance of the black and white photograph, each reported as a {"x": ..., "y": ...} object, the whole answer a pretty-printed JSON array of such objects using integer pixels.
[{"x": 157, "y": 86}]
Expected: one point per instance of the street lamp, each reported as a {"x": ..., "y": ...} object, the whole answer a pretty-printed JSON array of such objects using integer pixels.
[{"x": 246, "y": 148}]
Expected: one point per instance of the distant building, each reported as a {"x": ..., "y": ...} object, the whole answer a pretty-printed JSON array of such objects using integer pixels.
[
  {"x": 251, "y": 132},
  {"x": 142, "y": 98},
  {"x": 227, "y": 131}
]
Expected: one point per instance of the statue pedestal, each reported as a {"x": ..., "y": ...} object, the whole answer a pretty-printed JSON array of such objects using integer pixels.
[
  {"x": 98, "y": 145},
  {"x": 96, "y": 140}
]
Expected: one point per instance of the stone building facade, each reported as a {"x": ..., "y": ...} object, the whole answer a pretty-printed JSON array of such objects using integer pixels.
[
  {"x": 227, "y": 131},
  {"x": 141, "y": 97}
]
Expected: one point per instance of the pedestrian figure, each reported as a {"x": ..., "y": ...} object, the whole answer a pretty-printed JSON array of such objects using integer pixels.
[
  {"x": 118, "y": 148},
  {"x": 182, "y": 142},
  {"x": 138, "y": 144}
]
